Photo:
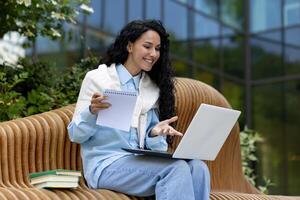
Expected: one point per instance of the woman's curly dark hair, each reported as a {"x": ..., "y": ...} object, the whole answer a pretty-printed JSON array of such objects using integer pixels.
[{"x": 161, "y": 73}]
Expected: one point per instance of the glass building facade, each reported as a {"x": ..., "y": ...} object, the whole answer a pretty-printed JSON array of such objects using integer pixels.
[{"x": 247, "y": 49}]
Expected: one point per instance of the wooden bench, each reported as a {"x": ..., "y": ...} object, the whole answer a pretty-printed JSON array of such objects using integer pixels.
[{"x": 40, "y": 142}]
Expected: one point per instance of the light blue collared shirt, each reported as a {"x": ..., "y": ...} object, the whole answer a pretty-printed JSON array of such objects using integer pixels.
[{"x": 101, "y": 146}]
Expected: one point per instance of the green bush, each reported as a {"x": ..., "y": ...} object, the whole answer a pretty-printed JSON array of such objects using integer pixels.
[
  {"x": 248, "y": 140},
  {"x": 12, "y": 103},
  {"x": 68, "y": 89},
  {"x": 39, "y": 87}
]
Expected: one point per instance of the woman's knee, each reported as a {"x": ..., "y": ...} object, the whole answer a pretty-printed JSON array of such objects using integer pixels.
[
  {"x": 181, "y": 166},
  {"x": 199, "y": 166}
]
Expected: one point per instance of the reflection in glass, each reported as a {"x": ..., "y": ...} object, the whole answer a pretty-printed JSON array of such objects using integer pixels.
[
  {"x": 232, "y": 13},
  {"x": 183, "y": 1},
  {"x": 135, "y": 9},
  {"x": 153, "y": 9},
  {"x": 233, "y": 56},
  {"x": 61, "y": 53},
  {"x": 80, "y": 17},
  {"x": 181, "y": 68},
  {"x": 226, "y": 31},
  {"x": 175, "y": 12},
  {"x": 207, "y": 6},
  {"x": 94, "y": 19},
  {"x": 96, "y": 42},
  {"x": 292, "y": 36},
  {"x": 266, "y": 59},
  {"x": 292, "y": 61},
  {"x": 114, "y": 16},
  {"x": 179, "y": 48},
  {"x": 235, "y": 94},
  {"x": 265, "y": 14},
  {"x": 293, "y": 129},
  {"x": 274, "y": 36},
  {"x": 268, "y": 109},
  {"x": 207, "y": 53},
  {"x": 205, "y": 27},
  {"x": 208, "y": 78},
  {"x": 74, "y": 39},
  {"x": 45, "y": 45},
  {"x": 291, "y": 12}
]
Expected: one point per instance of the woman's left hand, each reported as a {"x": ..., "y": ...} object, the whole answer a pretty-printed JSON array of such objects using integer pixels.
[{"x": 163, "y": 128}]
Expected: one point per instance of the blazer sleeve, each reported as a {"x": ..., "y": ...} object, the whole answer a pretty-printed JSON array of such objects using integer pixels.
[{"x": 88, "y": 87}]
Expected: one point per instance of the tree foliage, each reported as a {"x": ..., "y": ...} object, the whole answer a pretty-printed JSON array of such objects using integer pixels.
[{"x": 34, "y": 17}]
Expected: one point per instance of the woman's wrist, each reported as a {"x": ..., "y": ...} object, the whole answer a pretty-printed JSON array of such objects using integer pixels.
[
  {"x": 90, "y": 109},
  {"x": 152, "y": 134}
]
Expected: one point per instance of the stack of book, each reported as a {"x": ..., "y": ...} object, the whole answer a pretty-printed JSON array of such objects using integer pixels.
[{"x": 59, "y": 178}]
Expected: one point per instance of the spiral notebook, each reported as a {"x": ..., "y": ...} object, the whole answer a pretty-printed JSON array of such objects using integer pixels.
[{"x": 119, "y": 114}]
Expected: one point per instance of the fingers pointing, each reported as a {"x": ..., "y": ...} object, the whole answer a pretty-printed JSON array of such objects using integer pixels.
[{"x": 171, "y": 120}]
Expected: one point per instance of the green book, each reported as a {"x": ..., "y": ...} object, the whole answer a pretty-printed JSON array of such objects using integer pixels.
[{"x": 55, "y": 172}]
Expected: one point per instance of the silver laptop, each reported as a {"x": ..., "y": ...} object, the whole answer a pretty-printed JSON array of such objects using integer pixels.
[{"x": 204, "y": 137}]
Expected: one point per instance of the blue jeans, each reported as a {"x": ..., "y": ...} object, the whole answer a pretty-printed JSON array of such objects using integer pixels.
[{"x": 168, "y": 179}]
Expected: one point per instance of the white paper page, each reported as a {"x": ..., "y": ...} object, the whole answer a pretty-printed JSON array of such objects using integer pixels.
[{"x": 119, "y": 114}]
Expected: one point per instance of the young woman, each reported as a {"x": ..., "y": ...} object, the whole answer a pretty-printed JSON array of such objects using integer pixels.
[{"x": 138, "y": 61}]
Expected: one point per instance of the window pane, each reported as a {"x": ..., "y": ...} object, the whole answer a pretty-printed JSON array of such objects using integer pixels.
[
  {"x": 61, "y": 53},
  {"x": 268, "y": 109},
  {"x": 94, "y": 19},
  {"x": 266, "y": 59},
  {"x": 114, "y": 16},
  {"x": 44, "y": 45},
  {"x": 182, "y": 69},
  {"x": 292, "y": 36},
  {"x": 232, "y": 13},
  {"x": 176, "y": 19},
  {"x": 234, "y": 93},
  {"x": 135, "y": 9},
  {"x": 207, "y": 53},
  {"x": 74, "y": 42},
  {"x": 291, "y": 12},
  {"x": 271, "y": 36},
  {"x": 183, "y": 1},
  {"x": 180, "y": 49},
  {"x": 96, "y": 41},
  {"x": 205, "y": 27},
  {"x": 292, "y": 61},
  {"x": 233, "y": 56},
  {"x": 207, "y": 6},
  {"x": 265, "y": 14},
  {"x": 226, "y": 31},
  {"x": 209, "y": 78},
  {"x": 153, "y": 9},
  {"x": 80, "y": 17},
  {"x": 293, "y": 129},
  {"x": 60, "y": 58}
]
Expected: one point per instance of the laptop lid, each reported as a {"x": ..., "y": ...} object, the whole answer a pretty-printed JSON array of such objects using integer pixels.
[{"x": 206, "y": 133}]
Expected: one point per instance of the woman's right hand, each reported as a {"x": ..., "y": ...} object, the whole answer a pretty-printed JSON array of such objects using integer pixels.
[{"x": 97, "y": 103}]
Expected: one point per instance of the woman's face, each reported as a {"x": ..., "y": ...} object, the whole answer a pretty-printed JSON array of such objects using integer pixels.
[{"x": 143, "y": 53}]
